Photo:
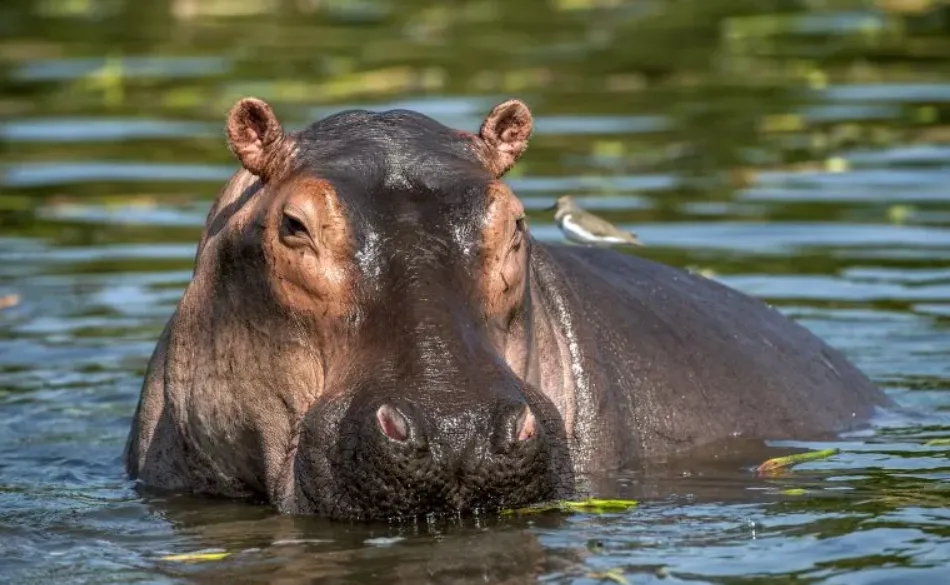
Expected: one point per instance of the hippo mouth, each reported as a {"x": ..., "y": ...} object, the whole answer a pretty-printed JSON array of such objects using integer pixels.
[
  {"x": 424, "y": 488},
  {"x": 384, "y": 467}
]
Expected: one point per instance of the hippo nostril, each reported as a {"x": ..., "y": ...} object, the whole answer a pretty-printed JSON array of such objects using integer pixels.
[
  {"x": 392, "y": 423},
  {"x": 518, "y": 426},
  {"x": 528, "y": 426}
]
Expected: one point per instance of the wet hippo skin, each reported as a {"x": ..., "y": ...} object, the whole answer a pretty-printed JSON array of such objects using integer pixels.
[{"x": 371, "y": 332}]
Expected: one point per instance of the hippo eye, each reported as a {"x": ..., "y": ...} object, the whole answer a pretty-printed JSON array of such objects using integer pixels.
[
  {"x": 518, "y": 236},
  {"x": 293, "y": 226},
  {"x": 520, "y": 224}
]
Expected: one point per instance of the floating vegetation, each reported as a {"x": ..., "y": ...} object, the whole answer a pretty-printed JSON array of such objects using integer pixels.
[
  {"x": 794, "y": 492},
  {"x": 197, "y": 557},
  {"x": 777, "y": 464},
  {"x": 594, "y": 505}
]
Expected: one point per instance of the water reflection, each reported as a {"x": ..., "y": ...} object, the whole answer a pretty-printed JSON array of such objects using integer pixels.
[
  {"x": 283, "y": 549},
  {"x": 798, "y": 153}
]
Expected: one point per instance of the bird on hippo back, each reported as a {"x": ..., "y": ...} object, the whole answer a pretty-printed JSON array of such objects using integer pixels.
[{"x": 371, "y": 332}]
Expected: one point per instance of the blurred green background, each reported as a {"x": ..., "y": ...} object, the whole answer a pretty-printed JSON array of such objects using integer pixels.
[{"x": 110, "y": 101}]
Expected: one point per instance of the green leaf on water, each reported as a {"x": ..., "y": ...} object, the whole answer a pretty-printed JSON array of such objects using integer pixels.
[
  {"x": 600, "y": 505},
  {"x": 794, "y": 492},
  {"x": 197, "y": 557},
  {"x": 778, "y": 463},
  {"x": 589, "y": 505}
]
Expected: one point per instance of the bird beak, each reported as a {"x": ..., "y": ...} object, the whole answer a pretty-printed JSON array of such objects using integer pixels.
[{"x": 551, "y": 208}]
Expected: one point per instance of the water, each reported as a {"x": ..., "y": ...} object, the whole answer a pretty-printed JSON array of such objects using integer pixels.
[{"x": 799, "y": 154}]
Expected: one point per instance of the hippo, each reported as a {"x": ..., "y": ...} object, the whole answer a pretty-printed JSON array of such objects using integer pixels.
[{"x": 371, "y": 332}]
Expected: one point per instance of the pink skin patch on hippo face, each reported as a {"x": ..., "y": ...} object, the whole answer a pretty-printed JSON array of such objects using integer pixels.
[{"x": 392, "y": 423}]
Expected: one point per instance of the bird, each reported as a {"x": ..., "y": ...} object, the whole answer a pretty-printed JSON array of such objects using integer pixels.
[{"x": 586, "y": 228}]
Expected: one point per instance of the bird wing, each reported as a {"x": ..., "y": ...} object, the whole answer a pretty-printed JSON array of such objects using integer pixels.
[{"x": 599, "y": 226}]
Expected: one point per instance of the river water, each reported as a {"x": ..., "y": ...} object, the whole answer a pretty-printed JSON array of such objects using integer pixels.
[{"x": 797, "y": 151}]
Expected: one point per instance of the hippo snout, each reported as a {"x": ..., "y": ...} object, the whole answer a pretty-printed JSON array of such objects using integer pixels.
[
  {"x": 514, "y": 424},
  {"x": 400, "y": 458}
]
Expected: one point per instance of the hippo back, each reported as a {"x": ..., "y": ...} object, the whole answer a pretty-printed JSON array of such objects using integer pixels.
[{"x": 674, "y": 360}]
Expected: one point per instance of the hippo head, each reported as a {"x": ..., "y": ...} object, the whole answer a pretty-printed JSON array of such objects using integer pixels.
[{"x": 356, "y": 337}]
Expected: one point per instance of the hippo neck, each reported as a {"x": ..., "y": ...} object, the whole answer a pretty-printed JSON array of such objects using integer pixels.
[{"x": 563, "y": 365}]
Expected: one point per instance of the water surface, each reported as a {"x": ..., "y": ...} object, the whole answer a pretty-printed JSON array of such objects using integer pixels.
[{"x": 797, "y": 154}]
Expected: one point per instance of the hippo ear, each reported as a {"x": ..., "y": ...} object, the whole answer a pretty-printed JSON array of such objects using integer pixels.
[
  {"x": 256, "y": 137},
  {"x": 505, "y": 131}
]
